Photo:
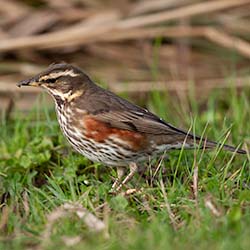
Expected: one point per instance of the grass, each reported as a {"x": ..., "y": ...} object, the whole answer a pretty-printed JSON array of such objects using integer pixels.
[{"x": 39, "y": 173}]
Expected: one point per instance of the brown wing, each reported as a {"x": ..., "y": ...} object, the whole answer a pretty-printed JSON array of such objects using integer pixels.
[
  {"x": 137, "y": 121},
  {"x": 119, "y": 113},
  {"x": 104, "y": 106}
]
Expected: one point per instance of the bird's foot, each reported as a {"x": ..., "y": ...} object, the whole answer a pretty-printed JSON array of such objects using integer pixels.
[{"x": 118, "y": 184}]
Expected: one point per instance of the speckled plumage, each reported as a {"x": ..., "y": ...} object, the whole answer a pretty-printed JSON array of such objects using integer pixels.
[{"x": 106, "y": 128}]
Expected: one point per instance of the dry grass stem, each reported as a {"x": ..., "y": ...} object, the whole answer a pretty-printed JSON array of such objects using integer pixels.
[
  {"x": 167, "y": 205},
  {"x": 228, "y": 41},
  {"x": 211, "y": 206},
  {"x": 195, "y": 183},
  {"x": 143, "y": 7},
  {"x": 163, "y": 156},
  {"x": 182, "y": 12}
]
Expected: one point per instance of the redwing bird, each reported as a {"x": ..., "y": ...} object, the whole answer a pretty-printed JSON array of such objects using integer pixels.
[{"x": 106, "y": 128}]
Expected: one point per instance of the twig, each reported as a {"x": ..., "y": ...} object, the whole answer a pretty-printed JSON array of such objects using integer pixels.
[
  {"x": 187, "y": 11},
  {"x": 157, "y": 5},
  {"x": 228, "y": 41},
  {"x": 142, "y": 33},
  {"x": 217, "y": 36},
  {"x": 88, "y": 31},
  {"x": 163, "y": 156},
  {"x": 195, "y": 183},
  {"x": 210, "y": 205}
]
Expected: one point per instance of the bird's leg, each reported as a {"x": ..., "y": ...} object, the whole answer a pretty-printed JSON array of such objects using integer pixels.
[
  {"x": 133, "y": 169},
  {"x": 120, "y": 174}
]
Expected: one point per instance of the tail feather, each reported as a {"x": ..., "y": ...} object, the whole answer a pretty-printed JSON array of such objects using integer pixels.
[
  {"x": 211, "y": 144},
  {"x": 191, "y": 140}
]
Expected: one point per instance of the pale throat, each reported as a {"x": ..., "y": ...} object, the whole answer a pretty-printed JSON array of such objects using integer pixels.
[{"x": 61, "y": 97}]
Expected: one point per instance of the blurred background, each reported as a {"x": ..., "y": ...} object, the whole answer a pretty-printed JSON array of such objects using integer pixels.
[{"x": 132, "y": 46}]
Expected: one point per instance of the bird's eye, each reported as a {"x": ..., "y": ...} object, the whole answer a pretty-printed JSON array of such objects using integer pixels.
[{"x": 49, "y": 80}]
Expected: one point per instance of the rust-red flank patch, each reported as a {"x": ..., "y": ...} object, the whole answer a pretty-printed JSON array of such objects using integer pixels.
[{"x": 100, "y": 131}]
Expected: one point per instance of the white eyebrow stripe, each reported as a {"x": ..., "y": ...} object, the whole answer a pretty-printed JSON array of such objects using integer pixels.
[{"x": 58, "y": 74}]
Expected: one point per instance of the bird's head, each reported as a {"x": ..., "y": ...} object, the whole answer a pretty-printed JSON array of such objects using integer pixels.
[{"x": 63, "y": 81}]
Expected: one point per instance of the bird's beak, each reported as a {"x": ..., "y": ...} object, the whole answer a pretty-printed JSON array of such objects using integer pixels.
[{"x": 29, "y": 82}]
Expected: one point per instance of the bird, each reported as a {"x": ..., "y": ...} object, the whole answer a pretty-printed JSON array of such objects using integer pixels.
[{"x": 108, "y": 129}]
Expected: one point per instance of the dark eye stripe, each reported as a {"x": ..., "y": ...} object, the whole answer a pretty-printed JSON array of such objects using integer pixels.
[{"x": 50, "y": 80}]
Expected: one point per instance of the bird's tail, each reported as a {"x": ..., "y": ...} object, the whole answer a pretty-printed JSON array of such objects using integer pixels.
[
  {"x": 207, "y": 144},
  {"x": 191, "y": 141}
]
